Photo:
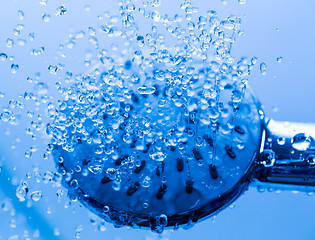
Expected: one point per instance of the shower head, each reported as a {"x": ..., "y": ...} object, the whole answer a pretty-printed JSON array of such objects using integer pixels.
[{"x": 165, "y": 150}]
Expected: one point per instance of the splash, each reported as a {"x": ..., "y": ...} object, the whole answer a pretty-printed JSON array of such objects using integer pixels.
[{"x": 159, "y": 122}]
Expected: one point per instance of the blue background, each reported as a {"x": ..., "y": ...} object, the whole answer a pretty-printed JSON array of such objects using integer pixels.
[{"x": 288, "y": 86}]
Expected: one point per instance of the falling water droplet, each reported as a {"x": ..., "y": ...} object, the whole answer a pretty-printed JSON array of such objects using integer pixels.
[
  {"x": 43, "y": 2},
  {"x": 279, "y": 59},
  {"x": 3, "y": 56},
  {"x": 31, "y": 36},
  {"x": 146, "y": 90},
  {"x": 87, "y": 8},
  {"x": 46, "y": 17},
  {"x": 61, "y": 10},
  {"x": 21, "y": 192},
  {"x": 242, "y": 1},
  {"x": 20, "y": 14},
  {"x": 36, "y": 196},
  {"x": 263, "y": 68},
  {"x": 53, "y": 69},
  {"x": 10, "y": 42},
  {"x": 14, "y": 68}
]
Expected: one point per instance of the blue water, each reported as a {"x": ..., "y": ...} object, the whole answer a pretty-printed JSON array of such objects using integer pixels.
[{"x": 272, "y": 30}]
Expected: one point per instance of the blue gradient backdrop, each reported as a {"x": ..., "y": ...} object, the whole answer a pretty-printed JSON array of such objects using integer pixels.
[{"x": 288, "y": 86}]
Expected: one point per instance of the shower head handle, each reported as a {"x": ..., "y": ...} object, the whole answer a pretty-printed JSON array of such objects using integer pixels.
[{"x": 287, "y": 156}]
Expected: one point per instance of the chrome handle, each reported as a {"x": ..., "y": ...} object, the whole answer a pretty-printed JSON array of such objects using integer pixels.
[{"x": 287, "y": 156}]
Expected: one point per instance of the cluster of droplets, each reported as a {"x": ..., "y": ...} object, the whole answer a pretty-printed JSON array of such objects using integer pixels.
[
  {"x": 150, "y": 97},
  {"x": 143, "y": 93}
]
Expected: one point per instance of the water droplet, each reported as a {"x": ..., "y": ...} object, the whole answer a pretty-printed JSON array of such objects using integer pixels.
[
  {"x": 74, "y": 184},
  {"x": 275, "y": 109},
  {"x": 14, "y": 68},
  {"x": 108, "y": 62},
  {"x": 10, "y": 42},
  {"x": 111, "y": 173},
  {"x": 21, "y": 192},
  {"x": 31, "y": 36},
  {"x": 28, "y": 154},
  {"x": 43, "y": 2},
  {"x": 36, "y": 196},
  {"x": 140, "y": 40},
  {"x": 156, "y": 16},
  {"x": 156, "y": 3},
  {"x": 301, "y": 141},
  {"x": 21, "y": 42},
  {"x": 281, "y": 141},
  {"x": 106, "y": 209},
  {"x": 116, "y": 185},
  {"x": 80, "y": 34},
  {"x": 263, "y": 68},
  {"x": 20, "y": 14},
  {"x": 279, "y": 59},
  {"x": 146, "y": 182},
  {"x": 53, "y": 69},
  {"x": 261, "y": 189},
  {"x": 87, "y": 8},
  {"x": 16, "y": 31},
  {"x": 46, "y": 17},
  {"x": 162, "y": 220},
  {"x": 146, "y": 90},
  {"x": 267, "y": 158},
  {"x": 253, "y": 61},
  {"x": 242, "y": 1},
  {"x": 61, "y": 10},
  {"x": 3, "y": 56},
  {"x": 311, "y": 159}
]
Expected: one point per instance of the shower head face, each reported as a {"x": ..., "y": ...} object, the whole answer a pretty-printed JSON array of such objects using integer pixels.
[{"x": 156, "y": 155}]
